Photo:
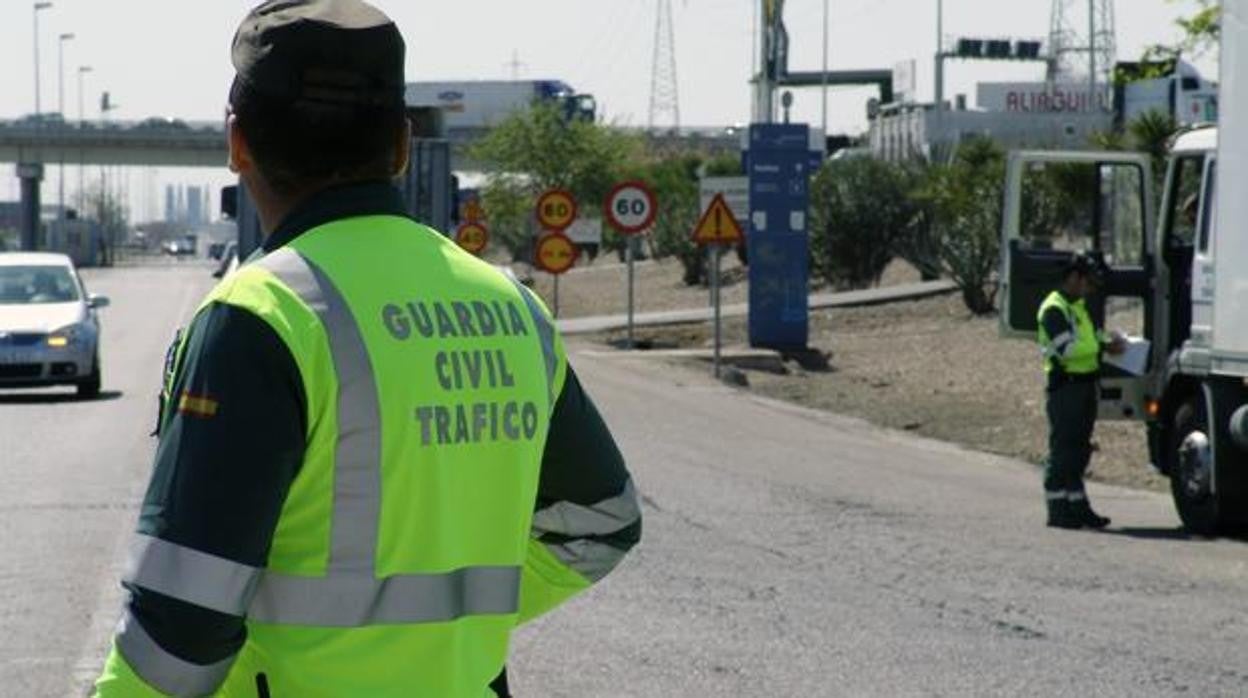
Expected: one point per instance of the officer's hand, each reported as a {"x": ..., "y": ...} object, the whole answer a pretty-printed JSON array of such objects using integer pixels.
[{"x": 1117, "y": 344}]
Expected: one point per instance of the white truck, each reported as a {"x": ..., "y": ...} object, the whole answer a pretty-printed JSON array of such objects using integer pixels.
[{"x": 1179, "y": 280}]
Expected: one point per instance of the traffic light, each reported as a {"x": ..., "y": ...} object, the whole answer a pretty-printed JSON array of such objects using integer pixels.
[
  {"x": 998, "y": 49},
  {"x": 1027, "y": 50}
]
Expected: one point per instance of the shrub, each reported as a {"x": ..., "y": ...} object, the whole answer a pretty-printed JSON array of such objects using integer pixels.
[
  {"x": 962, "y": 204},
  {"x": 860, "y": 210}
]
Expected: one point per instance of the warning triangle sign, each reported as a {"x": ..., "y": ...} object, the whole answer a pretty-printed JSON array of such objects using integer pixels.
[{"x": 718, "y": 225}]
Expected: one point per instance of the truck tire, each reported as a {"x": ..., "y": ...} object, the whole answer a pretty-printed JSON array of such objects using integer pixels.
[{"x": 1191, "y": 454}]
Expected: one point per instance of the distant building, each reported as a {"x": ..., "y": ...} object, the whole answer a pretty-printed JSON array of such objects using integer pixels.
[
  {"x": 171, "y": 204},
  {"x": 901, "y": 132},
  {"x": 1041, "y": 115},
  {"x": 194, "y": 206}
]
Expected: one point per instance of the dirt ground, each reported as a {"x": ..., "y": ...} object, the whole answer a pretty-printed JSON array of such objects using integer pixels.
[
  {"x": 602, "y": 288},
  {"x": 930, "y": 368}
]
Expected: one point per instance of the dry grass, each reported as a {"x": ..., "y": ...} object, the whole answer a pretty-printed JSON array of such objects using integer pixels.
[
  {"x": 930, "y": 368},
  {"x": 601, "y": 288}
]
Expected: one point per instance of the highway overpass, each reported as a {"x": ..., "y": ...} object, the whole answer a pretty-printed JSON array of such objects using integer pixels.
[
  {"x": 158, "y": 143},
  {"x": 31, "y": 144}
]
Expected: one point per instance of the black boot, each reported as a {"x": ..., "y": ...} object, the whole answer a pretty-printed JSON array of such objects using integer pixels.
[
  {"x": 1081, "y": 511},
  {"x": 1060, "y": 514}
]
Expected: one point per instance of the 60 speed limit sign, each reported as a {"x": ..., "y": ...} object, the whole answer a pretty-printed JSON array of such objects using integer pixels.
[{"x": 631, "y": 207}]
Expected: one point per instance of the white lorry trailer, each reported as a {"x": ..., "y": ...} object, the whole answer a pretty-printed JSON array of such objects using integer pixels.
[
  {"x": 1179, "y": 280},
  {"x": 476, "y": 105}
]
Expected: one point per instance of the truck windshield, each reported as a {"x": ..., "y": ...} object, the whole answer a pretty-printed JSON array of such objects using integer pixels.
[
  {"x": 1209, "y": 207},
  {"x": 1184, "y": 201},
  {"x": 28, "y": 285}
]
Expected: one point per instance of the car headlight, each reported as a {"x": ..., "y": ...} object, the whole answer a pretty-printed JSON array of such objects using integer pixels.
[{"x": 66, "y": 336}]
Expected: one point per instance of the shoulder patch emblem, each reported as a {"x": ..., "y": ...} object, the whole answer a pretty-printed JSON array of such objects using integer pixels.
[{"x": 197, "y": 406}]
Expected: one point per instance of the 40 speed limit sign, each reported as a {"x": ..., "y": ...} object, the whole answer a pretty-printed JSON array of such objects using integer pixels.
[{"x": 631, "y": 207}]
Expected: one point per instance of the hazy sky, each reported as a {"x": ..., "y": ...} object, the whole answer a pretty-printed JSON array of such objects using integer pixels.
[{"x": 171, "y": 57}]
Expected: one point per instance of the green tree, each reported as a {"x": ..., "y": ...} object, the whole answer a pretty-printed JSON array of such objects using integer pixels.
[
  {"x": 675, "y": 182},
  {"x": 1203, "y": 29},
  {"x": 1150, "y": 133},
  {"x": 725, "y": 165},
  {"x": 538, "y": 149}
]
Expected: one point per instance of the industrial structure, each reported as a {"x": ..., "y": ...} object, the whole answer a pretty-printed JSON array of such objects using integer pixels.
[
  {"x": 774, "y": 73},
  {"x": 1073, "y": 102},
  {"x": 664, "y": 86}
]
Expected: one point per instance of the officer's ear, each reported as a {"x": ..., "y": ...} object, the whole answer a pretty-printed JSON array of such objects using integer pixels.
[
  {"x": 240, "y": 159},
  {"x": 403, "y": 149}
]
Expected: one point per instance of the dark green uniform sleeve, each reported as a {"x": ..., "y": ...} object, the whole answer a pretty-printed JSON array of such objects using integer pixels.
[
  {"x": 1057, "y": 325},
  {"x": 587, "y": 516},
  {"x": 582, "y": 464},
  {"x": 231, "y": 443}
]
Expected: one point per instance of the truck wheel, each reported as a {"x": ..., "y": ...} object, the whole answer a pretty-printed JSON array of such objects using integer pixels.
[{"x": 1191, "y": 468}]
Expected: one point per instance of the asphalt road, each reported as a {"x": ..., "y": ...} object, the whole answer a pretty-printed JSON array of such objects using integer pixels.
[
  {"x": 786, "y": 552},
  {"x": 71, "y": 476}
]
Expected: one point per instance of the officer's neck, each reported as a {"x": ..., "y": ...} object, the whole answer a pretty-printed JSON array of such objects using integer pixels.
[{"x": 272, "y": 207}]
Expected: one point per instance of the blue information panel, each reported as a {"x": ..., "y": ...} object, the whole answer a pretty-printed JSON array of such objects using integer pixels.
[{"x": 779, "y": 166}]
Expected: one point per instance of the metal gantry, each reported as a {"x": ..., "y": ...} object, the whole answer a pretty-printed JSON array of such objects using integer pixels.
[{"x": 664, "y": 90}]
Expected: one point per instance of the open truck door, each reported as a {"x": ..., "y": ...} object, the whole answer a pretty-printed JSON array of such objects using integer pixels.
[{"x": 1059, "y": 203}]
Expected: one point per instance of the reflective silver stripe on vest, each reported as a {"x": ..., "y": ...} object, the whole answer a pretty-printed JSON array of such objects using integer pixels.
[
  {"x": 545, "y": 332},
  {"x": 350, "y": 595},
  {"x": 192, "y": 576},
  {"x": 350, "y": 601},
  {"x": 166, "y": 673},
  {"x": 592, "y": 559},
  {"x": 1060, "y": 346},
  {"x": 357, "y": 454},
  {"x": 602, "y": 518}
]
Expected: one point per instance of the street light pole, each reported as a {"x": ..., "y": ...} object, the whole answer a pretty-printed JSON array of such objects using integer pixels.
[
  {"x": 31, "y": 172},
  {"x": 60, "y": 107},
  {"x": 940, "y": 57},
  {"x": 82, "y": 121},
  {"x": 38, "y": 107},
  {"x": 1092, "y": 101},
  {"x": 825, "y": 68},
  {"x": 60, "y": 80}
]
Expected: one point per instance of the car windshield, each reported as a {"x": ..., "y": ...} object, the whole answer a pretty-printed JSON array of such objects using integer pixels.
[{"x": 26, "y": 285}]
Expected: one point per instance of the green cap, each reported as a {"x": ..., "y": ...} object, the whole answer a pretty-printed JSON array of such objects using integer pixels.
[{"x": 334, "y": 51}]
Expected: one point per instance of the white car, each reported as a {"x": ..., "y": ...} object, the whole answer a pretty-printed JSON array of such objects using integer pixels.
[{"x": 49, "y": 332}]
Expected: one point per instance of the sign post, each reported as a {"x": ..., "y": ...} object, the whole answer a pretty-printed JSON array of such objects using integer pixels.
[
  {"x": 631, "y": 208},
  {"x": 556, "y": 254},
  {"x": 736, "y": 191},
  {"x": 473, "y": 237},
  {"x": 779, "y": 164},
  {"x": 556, "y": 210},
  {"x": 717, "y": 228}
]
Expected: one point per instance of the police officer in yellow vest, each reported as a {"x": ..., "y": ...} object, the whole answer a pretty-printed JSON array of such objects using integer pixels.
[
  {"x": 376, "y": 460},
  {"x": 1072, "y": 347}
]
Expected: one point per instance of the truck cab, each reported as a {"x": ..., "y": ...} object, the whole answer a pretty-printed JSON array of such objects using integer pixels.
[{"x": 1173, "y": 281}]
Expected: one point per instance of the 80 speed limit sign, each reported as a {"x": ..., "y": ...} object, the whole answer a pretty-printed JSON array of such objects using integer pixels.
[{"x": 631, "y": 207}]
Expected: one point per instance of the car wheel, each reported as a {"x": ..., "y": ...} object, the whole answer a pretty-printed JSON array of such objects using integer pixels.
[
  {"x": 1191, "y": 469},
  {"x": 89, "y": 387}
]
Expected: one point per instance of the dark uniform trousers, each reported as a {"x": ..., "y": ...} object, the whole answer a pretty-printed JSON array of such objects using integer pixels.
[{"x": 1072, "y": 406}]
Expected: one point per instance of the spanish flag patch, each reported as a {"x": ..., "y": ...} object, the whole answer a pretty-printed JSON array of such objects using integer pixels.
[{"x": 197, "y": 405}]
